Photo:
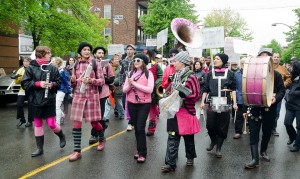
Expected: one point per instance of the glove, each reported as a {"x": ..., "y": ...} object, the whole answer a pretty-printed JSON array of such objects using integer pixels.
[
  {"x": 170, "y": 78},
  {"x": 183, "y": 89}
]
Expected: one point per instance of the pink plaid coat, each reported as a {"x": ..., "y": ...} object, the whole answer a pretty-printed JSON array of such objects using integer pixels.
[{"x": 86, "y": 105}]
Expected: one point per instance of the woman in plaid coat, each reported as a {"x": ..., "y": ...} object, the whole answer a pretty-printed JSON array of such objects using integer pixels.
[{"x": 85, "y": 105}]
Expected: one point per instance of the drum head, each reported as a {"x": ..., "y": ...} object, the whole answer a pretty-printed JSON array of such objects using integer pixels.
[{"x": 258, "y": 81}]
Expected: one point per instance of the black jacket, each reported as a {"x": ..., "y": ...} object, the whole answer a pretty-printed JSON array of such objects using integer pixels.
[
  {"x": 293, "y": 94},
  {"x": 211, "y": 85},
  {"x": 33, "y": 74},
  {"x": 278, "y": 87}
]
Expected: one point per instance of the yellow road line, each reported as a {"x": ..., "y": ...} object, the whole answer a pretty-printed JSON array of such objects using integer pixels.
[{"x": 55, "y": 162}]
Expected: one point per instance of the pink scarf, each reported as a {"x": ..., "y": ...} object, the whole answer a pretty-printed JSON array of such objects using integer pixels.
[
  {"x": 220, "y": 70},
  {"x": 42, "y": 61}
]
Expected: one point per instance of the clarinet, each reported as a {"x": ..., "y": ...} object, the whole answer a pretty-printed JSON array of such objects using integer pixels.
[
  {"x": 134, "y": 90},
  {"x": 47, "y": 79}
]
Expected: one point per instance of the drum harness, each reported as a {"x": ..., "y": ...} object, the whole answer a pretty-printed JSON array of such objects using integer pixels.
[{"x": 219, "y": 101}]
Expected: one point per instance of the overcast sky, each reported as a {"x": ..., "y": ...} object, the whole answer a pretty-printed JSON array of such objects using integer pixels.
[{"x": 259, "y": 15}]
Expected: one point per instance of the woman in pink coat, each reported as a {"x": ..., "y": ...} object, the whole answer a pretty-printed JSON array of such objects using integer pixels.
[
  {"x": 138, "y": 88},
  {"x": 85, "y": 105}
]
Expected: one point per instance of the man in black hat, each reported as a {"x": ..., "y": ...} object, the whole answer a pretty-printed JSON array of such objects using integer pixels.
[
  {"x": 265, "y": 118},
  {"x": 99, "y": 53}
]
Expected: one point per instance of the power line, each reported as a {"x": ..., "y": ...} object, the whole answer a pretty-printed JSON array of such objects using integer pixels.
[{"x": 253, "y": 9}]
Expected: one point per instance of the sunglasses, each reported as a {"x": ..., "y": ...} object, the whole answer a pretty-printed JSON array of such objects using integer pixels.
[{"x": 137, "y": 60}]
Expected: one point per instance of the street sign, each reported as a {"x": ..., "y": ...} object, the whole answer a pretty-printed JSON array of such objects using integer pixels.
[
  {"x": 115, "y": 49},
  {"x": 150, "y": 42},
  {"x": 213, "y": 37},
  {"x": 162, "y": 38},
  {"x": 118, "y": 17}
]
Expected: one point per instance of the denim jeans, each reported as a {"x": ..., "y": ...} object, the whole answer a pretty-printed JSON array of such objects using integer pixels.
[
  {"x": 288, "y": 122},
  {"x": 278, "y": 107}
]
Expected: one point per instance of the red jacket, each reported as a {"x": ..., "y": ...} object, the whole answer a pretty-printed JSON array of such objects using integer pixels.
[{"x": 170, "y": 70}]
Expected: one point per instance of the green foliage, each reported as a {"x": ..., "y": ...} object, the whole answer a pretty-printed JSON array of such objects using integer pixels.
[
  {"x": 162, "y": 12},
  {"x": 234, "y": 24},
  {"x": 275, "y": 46},
  {"x": 59, "y": 30}
]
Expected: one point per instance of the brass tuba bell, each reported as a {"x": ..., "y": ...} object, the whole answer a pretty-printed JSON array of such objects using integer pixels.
[
  {"x": 159, "y": 91},
  {"x": 187, "y": 33}
]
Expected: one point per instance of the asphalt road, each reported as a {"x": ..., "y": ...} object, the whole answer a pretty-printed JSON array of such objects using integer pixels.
[{"x": 116, "y": 161}]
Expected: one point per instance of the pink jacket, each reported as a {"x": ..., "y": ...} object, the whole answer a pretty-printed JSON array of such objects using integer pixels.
[
  {"x": 143, "y": 87},
  {"x": 105, "y": 88}
]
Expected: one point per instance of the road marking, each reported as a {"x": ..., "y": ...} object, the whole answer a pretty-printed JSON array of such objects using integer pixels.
[{"x": 55, "y": 162}]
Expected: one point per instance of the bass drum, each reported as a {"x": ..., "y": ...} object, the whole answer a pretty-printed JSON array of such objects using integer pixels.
[{"x": 258, "y": 81}]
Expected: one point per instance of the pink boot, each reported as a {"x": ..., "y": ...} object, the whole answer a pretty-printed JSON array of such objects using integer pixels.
[
  {"x": 101, "y": 146},
  {"x": 75, "y": 156}
]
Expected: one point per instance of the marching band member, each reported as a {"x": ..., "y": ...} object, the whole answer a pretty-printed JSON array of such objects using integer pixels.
[
  {"x": 185, "y": 123},
  {"x": 218, "y": 121},
  {"x": 42, "y": 88},
  {"x": 85, "y": 105},
  {"x": 263, "y": 117},
  {"x": 157, "y": 75},
  {"x": 138, "y": 88},
  {"x": 169, "y": 71}
]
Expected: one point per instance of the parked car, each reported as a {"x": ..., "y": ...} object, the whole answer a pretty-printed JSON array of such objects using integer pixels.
[{"x": 8, "y": 90}]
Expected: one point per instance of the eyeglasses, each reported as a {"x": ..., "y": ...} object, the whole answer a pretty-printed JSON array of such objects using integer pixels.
[{"x": 137, "y": 60}]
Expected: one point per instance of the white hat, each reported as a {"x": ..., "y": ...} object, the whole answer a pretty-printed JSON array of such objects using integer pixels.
[{"x": 158, "y": 56}]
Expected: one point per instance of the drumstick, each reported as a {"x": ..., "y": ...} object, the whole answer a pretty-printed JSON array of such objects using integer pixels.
[{"x": 245, "y": 125}]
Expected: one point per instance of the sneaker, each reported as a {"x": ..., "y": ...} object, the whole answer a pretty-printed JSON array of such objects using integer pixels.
[
  {"x": 129, "y": 127},
  {"x": 167, "y": 168},
  {"x": 28, "y": 124},
  {"x": 290, "y": 142},
  {"x": 75, "y": 156},
  {"x": 237, "y": 136},
  {"x": 275, "y": 133},
  {"x": 190, "y": 162},
  {"x": 93, "y": 140},
  {"x": 101, "y": 146},
  {"x": 141, "y": 159},
  {"x": 150, "y": 133},
  {"x": 136, "y": 156},
  {"x": 294, "y": 149}
]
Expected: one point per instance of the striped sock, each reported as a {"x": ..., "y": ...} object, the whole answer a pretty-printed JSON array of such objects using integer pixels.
[{"x": 77, "y": 139}]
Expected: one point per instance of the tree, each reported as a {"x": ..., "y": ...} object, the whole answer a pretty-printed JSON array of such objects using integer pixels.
[
  {"x": 59, "y": 24},
  {"x": 234, "y": 24},
  {"x": 275, "y": 46},
  {"x": 162, "y": 12}
]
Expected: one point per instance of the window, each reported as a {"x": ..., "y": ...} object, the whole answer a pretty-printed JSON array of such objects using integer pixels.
[
  {"x": 107, "y": 32},
  {"x": 107, "y": 11}
]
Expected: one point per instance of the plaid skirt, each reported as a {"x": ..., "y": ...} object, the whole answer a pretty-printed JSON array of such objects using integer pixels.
[{"x": 87, "y": 109}]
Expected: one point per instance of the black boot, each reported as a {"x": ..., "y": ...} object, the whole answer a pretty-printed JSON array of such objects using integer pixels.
[
  {"x": 219, "y": 146},
  {"x": 212, "y": 144},
  {"x": 104, "y": 125},
  {"x": 255, "y": 160},
  {"x": 263, "y": 150},
  {"x": 40, "y": 145},
  {"x": 62, "y": 139}
]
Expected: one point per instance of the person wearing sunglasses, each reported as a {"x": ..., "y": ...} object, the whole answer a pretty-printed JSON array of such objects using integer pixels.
[{"x": 138, "y": 87}]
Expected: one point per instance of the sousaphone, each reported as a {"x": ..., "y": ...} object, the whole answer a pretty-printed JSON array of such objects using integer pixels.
[{"x": 187, "y": 33}]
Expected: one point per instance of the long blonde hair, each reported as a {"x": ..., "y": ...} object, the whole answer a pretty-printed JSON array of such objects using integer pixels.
[{"x": 58, "y": 61}]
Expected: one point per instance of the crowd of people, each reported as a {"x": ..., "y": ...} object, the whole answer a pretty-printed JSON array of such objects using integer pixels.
[{"x": 132, "y": 87}]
